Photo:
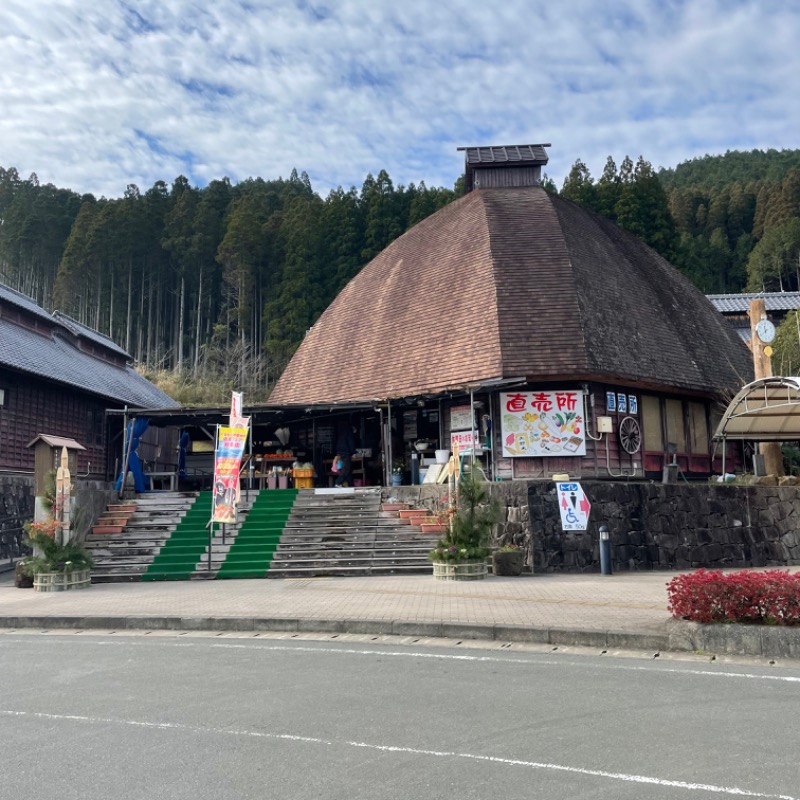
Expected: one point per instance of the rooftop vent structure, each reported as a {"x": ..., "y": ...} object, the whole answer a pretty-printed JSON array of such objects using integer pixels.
[{"x": 504, "y": 166}]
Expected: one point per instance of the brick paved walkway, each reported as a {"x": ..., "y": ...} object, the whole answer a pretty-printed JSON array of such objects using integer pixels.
[
  {"x": 632, "y": 601},
  {"x": 621, "y": 611}
]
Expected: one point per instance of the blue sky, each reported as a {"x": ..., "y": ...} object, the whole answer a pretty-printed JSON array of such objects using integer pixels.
[{"x": 95, "y": 96}]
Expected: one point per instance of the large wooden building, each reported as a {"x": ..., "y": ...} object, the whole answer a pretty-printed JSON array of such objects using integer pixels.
[
  {"x": 583, "y": 350},
  {"x": 57, "y": 379}
]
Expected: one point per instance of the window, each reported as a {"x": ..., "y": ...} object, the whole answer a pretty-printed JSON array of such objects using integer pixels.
[
  {"x": 698, "y": 428},
  {"x": 651, "y": 417},
  {"x": 94, "y": 427},
  {"x": 676, "y": 430},
  {"x": 685, "y": 422}
]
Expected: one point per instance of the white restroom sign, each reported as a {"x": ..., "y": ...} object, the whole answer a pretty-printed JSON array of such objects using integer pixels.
[{"x": 574, "y": 507}]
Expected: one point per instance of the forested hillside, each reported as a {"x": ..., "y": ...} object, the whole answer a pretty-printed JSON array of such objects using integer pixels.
[
  {"x": 215, "y": 287},
  {"x": 729, "y": 222}
]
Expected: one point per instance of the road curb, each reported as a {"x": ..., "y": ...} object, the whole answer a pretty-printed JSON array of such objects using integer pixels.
[{"x": 678, "y": 635}]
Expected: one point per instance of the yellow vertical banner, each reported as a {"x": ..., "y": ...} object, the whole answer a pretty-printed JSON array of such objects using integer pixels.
[{"x": 227, "y": 461}]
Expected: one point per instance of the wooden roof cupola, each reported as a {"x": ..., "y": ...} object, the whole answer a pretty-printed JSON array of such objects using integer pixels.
[{"x": 503, "y": 167}]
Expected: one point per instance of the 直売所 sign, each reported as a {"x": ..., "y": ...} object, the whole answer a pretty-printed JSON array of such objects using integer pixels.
[
  {"x": 543, "y": 423},
  {"x": 574, "y": 506}
]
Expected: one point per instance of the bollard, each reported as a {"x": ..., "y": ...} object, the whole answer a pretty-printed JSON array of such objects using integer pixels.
[{"x": 605, "y": 551}]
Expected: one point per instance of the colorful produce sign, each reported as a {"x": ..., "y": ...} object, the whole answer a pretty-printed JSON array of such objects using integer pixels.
[{"x": 543, "y": 423}]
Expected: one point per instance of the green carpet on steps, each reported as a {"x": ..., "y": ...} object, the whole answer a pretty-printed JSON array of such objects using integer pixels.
[
  {"x": 185, "y": 547},
  {"x": 252, "y": 552}
]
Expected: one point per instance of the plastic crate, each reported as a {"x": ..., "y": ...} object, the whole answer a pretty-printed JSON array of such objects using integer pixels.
[
  {"x": 299, "y": 472},
  {"x": 304, "y": 483}
]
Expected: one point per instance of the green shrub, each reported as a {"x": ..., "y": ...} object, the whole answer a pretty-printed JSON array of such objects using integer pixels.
[{"x": 53, "y": 556}]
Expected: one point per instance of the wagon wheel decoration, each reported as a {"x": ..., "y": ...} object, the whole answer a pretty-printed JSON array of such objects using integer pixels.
[{"x": 630, "y": 435}]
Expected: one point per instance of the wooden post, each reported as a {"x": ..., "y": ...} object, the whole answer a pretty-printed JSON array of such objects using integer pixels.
[
  {"x": 762, "y": 366},
  {"x": 61, "y": 507}
]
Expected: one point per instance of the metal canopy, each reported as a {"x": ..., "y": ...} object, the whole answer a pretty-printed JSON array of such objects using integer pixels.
[
  {"x": 766, "y": 410},
  {"x": 183, "y": 416}
]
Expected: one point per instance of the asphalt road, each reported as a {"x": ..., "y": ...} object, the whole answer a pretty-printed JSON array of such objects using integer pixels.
[{"x": 236, "y": 716}]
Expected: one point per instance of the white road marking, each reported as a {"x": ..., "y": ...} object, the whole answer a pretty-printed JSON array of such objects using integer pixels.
[
  {"x": 535, "y": 661},
  {"x": 554, "y": 659},
  {"x": 510, "y": 762}
]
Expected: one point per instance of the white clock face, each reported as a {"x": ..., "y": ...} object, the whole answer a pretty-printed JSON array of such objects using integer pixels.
[{"x": 765, "y": 330}]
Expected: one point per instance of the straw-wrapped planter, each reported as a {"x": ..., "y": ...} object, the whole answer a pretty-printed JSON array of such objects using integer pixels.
[{"x": 62, "y": 581}]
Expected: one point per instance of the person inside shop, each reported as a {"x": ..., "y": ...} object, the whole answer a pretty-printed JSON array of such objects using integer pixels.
[{"x": 345, "y": 450}]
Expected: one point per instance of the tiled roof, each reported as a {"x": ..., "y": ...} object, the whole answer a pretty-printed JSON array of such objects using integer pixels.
[
  {"x": 740, "y": 303},
  {"x": 23, "y": 301},
  {"x": 54, "y": 357},
  {"x": 89, "y": 333},
  {"x": 513, "y": 283},
  {"x": 507, "y": 154},
  {"x": 57, "y": 441}
]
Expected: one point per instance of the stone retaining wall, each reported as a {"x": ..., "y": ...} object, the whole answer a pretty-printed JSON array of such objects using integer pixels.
[
  {"x": 16, "y": 508},
  {"x": 17, "y": 505},
  {"x": 16, "y": 495},
  {"x": 652, "y": 525},
  {"x": 657, "y": 526}
]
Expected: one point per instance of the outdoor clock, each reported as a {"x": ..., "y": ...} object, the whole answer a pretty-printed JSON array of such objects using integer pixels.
[{"x": 765, "y": 330}]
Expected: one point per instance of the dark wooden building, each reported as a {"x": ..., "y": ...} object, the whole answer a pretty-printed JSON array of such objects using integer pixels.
[
  {"x": 540, "y": 312},
  {"x": 57, "y": 378},
  {"x": 735, "y": 307}
]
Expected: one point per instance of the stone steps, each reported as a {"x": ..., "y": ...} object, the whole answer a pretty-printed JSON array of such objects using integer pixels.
[
  {"x": 307, "y": 571},
  {"x": 123, "y": 553},
  {"x": 348, "y": 533}
]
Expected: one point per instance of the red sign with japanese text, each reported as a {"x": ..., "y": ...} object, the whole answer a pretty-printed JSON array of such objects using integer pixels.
[{"x": 548, "y": 423}]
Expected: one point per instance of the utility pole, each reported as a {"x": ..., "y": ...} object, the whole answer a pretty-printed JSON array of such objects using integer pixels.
[{"x": 762, "y": 366}]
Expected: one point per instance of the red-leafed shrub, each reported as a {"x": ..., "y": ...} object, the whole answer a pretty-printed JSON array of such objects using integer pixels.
[{"x": 759, "y": 598}]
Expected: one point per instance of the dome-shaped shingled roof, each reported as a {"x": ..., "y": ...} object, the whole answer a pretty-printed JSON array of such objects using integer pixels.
[{"x": 513, "y": 283}]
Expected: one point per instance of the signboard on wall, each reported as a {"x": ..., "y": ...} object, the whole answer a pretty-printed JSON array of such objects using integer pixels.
[
  {"x": 465, "y": 441},
  {"x": 542, "y": 423},
  {"x": 460, "y": 418},
  {"x": 573, "y": 506}
]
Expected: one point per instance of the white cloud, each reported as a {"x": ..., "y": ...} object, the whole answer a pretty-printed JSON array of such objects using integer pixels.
[{"x": 95, "y": 98}]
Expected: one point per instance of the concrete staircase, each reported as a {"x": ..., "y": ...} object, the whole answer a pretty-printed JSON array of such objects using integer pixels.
[
  {"x": 349, "y": 533},
  {"x": 126, "y": 553},
  {"x": 283, "y": 533}
]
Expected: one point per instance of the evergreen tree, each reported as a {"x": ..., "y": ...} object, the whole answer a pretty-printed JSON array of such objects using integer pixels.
[
  {"x": 774, "y": 263},
  {"x": 381, "y": 225},
  {"x": 643, "y": 210},
  {"x": 579, "y": 185},
  {"x": 608, "y": 191},
  {"x": 343, "y": 234}
]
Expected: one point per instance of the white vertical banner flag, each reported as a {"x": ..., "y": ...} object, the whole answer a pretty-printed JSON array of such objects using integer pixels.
[{"x": 237, "y": 402}]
